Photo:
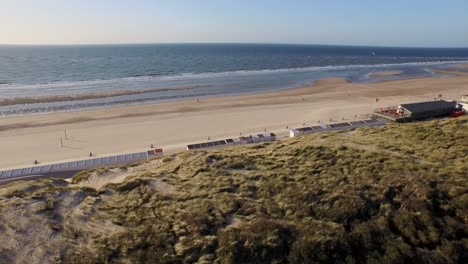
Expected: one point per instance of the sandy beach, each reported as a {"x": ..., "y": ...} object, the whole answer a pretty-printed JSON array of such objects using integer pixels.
[
  {"x": 172, "y": 125},
  {"x": 462, "y": 66}
]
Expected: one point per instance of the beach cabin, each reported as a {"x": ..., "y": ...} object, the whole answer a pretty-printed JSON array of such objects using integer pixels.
[
  {"x": 207, "y": 145},
  {"x": 368, "y": 123},
  {"x": 237, "y": 141},
  {"x": 339, "y": 126},
  {"x": 259, "y": 138},
  {"x": 255, "y": 138},
  {"x": 294, "y": 132},
  {"x": 72, "y": 167},
  {"x": 230, "y": 142},
  {"x": 272, "y": 137},
  {"x": 417, "y": 111},
  {"x": 266, "y": 137},
  {"x": 464, "y": 102},
  {"x": 245, "y": 140},
  {"x": 334, "y": 127},
  {"x": 155, "y": 153}
]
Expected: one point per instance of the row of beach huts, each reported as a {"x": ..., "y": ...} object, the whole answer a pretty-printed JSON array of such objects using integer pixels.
[
  {"x": 260, "y": 138},
  {"x": 338, "y": 126},
  {"x": 71, "y": 167},
  {"x": 293, "y": 132},
  {"x": 401, "y": 113}
]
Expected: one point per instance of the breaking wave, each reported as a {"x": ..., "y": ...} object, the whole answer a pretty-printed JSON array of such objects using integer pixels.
[{"x": 84, "y": 96}]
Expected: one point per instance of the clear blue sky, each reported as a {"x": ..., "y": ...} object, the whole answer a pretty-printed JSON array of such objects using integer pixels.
[{"x": 431, "y": 23}]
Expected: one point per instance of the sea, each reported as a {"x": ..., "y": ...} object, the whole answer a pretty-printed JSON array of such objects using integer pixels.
[{"x": 45, "y": 79}]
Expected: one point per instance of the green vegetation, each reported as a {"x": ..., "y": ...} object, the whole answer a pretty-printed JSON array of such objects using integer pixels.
[{"x": 395, "y": 194}]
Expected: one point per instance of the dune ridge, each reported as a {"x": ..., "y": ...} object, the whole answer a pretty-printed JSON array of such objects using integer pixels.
[{"x": 335, "y": 197}]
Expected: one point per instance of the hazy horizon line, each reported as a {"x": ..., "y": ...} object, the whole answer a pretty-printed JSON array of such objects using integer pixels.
[{"x": 234, "y": 43}]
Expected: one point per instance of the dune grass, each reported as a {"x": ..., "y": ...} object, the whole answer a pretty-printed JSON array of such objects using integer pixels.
[{"x": 395, "y": 194}]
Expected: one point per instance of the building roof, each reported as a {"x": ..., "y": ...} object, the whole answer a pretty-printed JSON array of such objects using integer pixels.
[{"x": 429, "y": 106}]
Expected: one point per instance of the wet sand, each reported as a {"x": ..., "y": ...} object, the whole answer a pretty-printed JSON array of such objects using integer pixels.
[
  {"x": 462, "y": 66},
  {"x": 385, "y": 74},
  {"x": 83, "y": 96},
  {"x": 172, "y": 125}
]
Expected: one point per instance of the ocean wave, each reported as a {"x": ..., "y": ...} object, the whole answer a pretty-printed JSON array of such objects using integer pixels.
[
  {"x": 302, "y": 69},
  {"x": 16, "y": 94},
  {"x": 4, "y": 81},
  {"x": 204, "y": 75},
  {"x": 336, "y": 67},
  {"x": 78, "y": 106},
  {"x": 84, "y": 96}
]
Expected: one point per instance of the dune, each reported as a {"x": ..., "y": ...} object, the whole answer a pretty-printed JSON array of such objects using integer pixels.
[{"x": 390, "y": 193}]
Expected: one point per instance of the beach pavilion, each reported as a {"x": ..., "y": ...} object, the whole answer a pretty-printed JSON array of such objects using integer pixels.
[{"x": 417, "y": 111}]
